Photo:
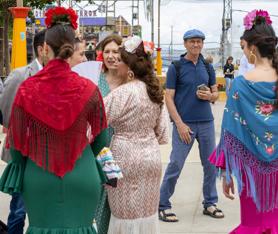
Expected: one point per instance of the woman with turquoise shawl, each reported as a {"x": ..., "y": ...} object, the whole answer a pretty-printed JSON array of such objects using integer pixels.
[
  {"x": 248, "y": 147},
  {"x": 107, "y": 82}
]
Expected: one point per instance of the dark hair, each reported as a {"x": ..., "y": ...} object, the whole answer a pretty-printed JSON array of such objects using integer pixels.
[
  {"x": 229, "y": 58},
  {"x": 90, "y": 36},
  {"x": 61, "y": 40},
  {"x": 140, "y": 63},
  {"x": 38, "y": 41},
  {"x": 264, "y": 38},
  {"x": 111, "y": 38}
]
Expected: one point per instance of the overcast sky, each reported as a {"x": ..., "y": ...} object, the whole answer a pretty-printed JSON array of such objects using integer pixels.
[{"x": 205, "y": 15}]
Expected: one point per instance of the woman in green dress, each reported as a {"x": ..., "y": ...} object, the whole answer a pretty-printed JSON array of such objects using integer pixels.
[
  {"x": 56, "y": 128},
  {"x": 110, "y": 50},
  {"x": 107, "y": 82}
]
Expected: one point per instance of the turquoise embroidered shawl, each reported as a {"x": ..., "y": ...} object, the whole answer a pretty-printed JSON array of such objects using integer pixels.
[{"x": 249, "y": 140}]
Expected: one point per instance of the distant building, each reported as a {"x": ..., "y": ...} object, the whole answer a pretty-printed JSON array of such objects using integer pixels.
[{"x": 91, "y": 22}]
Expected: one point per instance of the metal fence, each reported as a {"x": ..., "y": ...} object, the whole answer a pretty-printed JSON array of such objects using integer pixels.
[{"x": 172, "y": 52}]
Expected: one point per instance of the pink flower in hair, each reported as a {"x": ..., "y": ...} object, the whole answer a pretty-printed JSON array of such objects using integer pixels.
[
  {"x": 265, "y": 15},
  {"x": 248, "y": 20}
]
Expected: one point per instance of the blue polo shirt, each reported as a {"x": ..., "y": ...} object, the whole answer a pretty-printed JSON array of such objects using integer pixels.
[{"x": 189, "y": 106}]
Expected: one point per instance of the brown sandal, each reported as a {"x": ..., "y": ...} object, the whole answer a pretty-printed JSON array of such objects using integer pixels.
[
  {"x": 214, "y": 213},
  {"x": 167, "y": 217}
]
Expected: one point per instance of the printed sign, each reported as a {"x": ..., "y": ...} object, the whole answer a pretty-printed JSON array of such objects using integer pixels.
[{"x": 22, "y": 36}]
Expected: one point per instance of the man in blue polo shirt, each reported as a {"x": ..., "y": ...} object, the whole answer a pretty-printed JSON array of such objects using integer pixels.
[{"x": 190, "y": 88}]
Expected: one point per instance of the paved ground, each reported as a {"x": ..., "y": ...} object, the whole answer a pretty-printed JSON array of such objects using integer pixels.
[{"x": 187, "y": 198}]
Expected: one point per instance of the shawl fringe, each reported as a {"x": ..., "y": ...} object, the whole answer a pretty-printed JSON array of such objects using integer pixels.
[
  {"x": 54, "y": 150},
  {"x": 261, "y": 178}
]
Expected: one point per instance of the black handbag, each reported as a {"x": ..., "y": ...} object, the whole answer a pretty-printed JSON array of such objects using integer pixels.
[{"x": 3, "y": 228}]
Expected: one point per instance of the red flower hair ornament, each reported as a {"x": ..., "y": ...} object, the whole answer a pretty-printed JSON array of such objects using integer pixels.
[{"x": 61, "y": 15}]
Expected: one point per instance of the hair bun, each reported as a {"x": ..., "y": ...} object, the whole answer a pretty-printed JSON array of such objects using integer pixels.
[{"x": 66, "y": 51}]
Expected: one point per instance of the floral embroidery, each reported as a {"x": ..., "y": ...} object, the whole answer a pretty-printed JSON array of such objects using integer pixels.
[
  {"x": 268, "y": 136},
  {"x": 243, "y": 121},
  {"x": 264, "y": 109},
  {"x": 239, "y": 118},
  {"x": 236, "y": 96},
  {"x": 269, "y": 149},
  {"x": 236, "y": 114}
]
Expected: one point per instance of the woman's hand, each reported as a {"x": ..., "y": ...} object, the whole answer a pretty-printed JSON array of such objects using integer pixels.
[{"x": 227, "y": 188}]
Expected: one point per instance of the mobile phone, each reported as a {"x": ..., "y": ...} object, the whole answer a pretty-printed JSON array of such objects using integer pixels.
[{"x": 202, "y": 87}]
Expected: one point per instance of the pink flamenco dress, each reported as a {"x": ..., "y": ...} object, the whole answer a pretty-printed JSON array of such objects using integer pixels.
[{"x": 248, "y": 151}]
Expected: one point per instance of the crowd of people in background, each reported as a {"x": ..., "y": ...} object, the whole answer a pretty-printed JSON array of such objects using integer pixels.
[{"x": 85, "y": 157}]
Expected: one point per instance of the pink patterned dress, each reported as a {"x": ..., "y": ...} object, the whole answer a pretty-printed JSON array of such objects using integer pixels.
[
  {"x": 139, "y": 127},
  {"x": 251, "y": 220}
]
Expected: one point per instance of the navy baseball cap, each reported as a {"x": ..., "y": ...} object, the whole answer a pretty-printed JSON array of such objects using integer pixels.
[{"x": 193, "y": 33}]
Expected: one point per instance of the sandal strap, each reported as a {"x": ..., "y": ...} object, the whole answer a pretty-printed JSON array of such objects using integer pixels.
[
  {"x": 167, "y": 214},
  {"x": 216, "y": 211}
]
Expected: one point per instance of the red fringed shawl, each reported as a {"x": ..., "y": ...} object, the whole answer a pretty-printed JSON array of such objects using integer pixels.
[{"x": 51, "y": 115}]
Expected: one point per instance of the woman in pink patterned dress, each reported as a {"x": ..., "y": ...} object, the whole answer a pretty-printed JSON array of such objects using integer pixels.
[{"x": 136, "y": 112}]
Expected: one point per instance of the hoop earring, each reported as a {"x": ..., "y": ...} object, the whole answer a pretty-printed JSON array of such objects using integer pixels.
[
  {"x": 252, "y": 58},
  {"x": 130, "y": 75}
]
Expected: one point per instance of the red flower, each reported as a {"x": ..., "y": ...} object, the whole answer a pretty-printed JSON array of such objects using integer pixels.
[
  {"x": 269, "y": 150},
  {"x": 99, "y": 56},
  {"x": 61, "y": 14},
  {"x": 265, "y": 15},
  {"x": 266, "y": 109},
  {"x": 73, "y": 18}
]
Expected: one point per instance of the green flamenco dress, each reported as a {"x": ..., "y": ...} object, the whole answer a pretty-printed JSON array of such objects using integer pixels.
[
  {"x": 58, "y": 205},
  {"x": 105, "y": 90},
  {"x": 55, "y": 114},
  {"x": 103, "y": 212}
]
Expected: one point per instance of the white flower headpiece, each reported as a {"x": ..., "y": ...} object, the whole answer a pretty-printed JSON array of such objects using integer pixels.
[{"x": 132, "y": 43}]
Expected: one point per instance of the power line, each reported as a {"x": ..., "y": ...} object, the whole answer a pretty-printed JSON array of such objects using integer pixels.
[{"x": 249, "y": 11}]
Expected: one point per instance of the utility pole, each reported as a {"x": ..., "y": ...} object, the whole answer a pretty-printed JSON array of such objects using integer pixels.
[
  {"x": 158, "y": 49},
  {"x": 110, "y": 12},
  {"x": 135, "y": 17},
  {"x": 226, "y": 37},
  {"x": 171, "y": 50},
  {"x": 158, "y": 24},
  {"x": 152, "y": 20},
  {"x": 106, "y": 14}
]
